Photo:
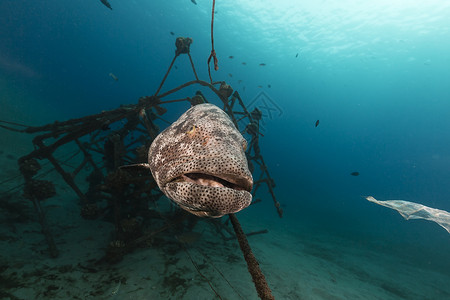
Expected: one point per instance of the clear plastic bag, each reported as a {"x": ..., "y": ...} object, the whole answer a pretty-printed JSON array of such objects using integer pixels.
[{"x": 411, "y": 210}]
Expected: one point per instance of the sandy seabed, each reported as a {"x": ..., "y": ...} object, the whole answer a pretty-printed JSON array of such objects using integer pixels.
[{"x": 298, "y": 264}]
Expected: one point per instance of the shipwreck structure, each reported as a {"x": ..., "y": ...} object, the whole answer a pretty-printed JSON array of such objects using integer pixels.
[{"x": 97, "y": 145}]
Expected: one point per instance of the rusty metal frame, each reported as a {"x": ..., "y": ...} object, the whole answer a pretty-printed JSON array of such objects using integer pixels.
[{"x": 122, "y": 136}]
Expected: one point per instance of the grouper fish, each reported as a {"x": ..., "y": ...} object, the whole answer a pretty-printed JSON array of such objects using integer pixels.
[{"x": 199, "y": 162}]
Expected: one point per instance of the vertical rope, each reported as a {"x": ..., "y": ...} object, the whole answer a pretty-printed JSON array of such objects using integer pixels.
[
  {"x": 213, "y": 52},
  {"x": 259, "y": 280}
]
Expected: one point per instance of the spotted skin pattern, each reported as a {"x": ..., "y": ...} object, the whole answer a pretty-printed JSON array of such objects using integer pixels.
[{"x": 199, "y": 162}]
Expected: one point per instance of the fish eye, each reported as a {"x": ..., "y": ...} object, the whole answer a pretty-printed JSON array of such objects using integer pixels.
[{"x": 192, "y": 131}]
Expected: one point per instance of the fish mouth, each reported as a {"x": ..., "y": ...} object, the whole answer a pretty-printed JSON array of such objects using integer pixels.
[
  {"x": 207, "y": 195},
  {"x": 234, "y": 182}
]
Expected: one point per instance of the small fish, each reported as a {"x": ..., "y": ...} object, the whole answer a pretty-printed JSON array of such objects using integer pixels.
[
  {"x": 231, "y": 57},
  {"x": 269, "y": 86},
  {"x": 262, "y": 64},
  {"x": 317, "y": 123},
  {"x": 113, "y": 76},
  {"x": 106, "y": 3},
  {"x": 260, "y": 86},
  {"x": 229, "y": 74},
  {"x": 243, "y": 88},
  {"x": 176, "y": 68},
  {"x": 239, "y": 81},
  {"x": 172, "y": 33},
  {"x": 244, "y": 63},
  {"x": 354, "y": 173},
  {"x": 193, "y": 1},
  {"x": 296, "y": 55}
]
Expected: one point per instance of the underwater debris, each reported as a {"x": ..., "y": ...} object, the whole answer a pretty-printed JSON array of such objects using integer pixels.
[
  {"x": 251, "y": 128},
  {"x": 225, "y": 90},
  {"x": 128, "y": 196},
  {"x": 39, "y": 189},
  {"x": 197, "y": 99},
  {"x": 113, "y": 193},
  {"x": 29, "y": 167},
  {"x": 256, "y": 114},
  {"x": 316, "y": 124},
  {"x": 183, "y": 45},
  {"x": 354, "y": 173},
  {"x": 104, "y": 150},
  {"x": 411, "y": 210},
  {"x": 106, "y": 3}
]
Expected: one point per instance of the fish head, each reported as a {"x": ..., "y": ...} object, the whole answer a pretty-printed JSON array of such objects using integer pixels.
[{"x": 199, "y": 162}]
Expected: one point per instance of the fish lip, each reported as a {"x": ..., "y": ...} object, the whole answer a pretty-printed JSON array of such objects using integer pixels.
[
  {"x": 240, "y": 198},
  {"x": 231, "y": 181}
]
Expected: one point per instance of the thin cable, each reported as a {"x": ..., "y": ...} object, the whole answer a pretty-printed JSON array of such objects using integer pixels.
[
  {"x": 221, "y": 274},
  {"x": 199, "y": 272}
]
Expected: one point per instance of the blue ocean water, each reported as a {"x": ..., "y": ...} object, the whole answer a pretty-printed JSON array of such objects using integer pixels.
[{"x": 374, "y": 73}]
